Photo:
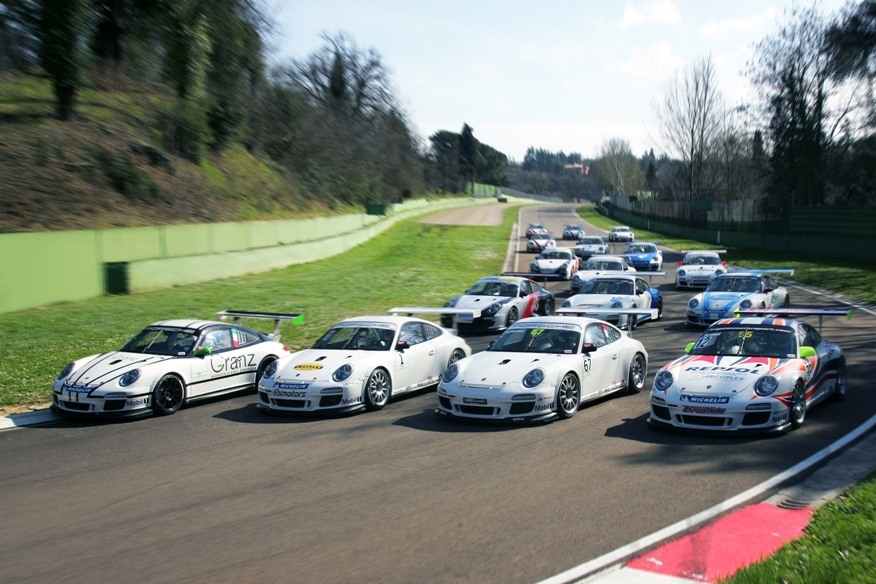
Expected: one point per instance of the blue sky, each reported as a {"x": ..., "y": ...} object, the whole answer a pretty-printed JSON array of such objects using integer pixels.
[{"x": 557, "y": 74}]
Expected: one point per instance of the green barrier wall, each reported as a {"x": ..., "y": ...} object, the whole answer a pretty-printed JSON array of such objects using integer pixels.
[{"x": 48, "y": 267}]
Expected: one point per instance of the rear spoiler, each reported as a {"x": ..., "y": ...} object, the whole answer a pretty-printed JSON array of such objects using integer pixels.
[
  {"x": 534, "y": 275},
  {"x": 277, "y": 317},
  {"x": 581, "y": 311},
  {"x": 795, "y": 312},
  {"x": 412, "y": 310},
  {"x": 703, "y": 251}
]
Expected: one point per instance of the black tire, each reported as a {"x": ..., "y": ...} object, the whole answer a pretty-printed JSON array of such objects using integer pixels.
[
  {"x": 512, "y": 317},
  {"x": 168, "y": 396},
  {"x": 548, "y": 307},
  {"x": 568, "y": 396},
  {"x": 797, "y": 409},
  {"x": 260, "y": 372},
  {"x": 636, "y": 375},
  {"x": 378, "y": 390},
  {"x": 841, "y": 385},
  {"x": 455, "y": 356},
  {"x": 659, "y": 308}
]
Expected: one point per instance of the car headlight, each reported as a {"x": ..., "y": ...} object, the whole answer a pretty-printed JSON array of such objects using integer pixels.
[
  {"x": 67, "y": 370},
  {"x": 533, "y": 267},
  {"x": 766, "y": 385},
  {"x": 492, "y": 309},
  {"x": 694, "y": 302},
  {"x": 342, "y": 372},
  {"x": 450, "y": 303},
  {"x": 533, "y": 378},
  {"x": 663, "y": 380},
  {"x": 451, "y": 372},
  {"x": 270, "y": 370},
  {"x": 129, "y": 378},
  {"x": 567, "y": 304},
  {"x": 745, "y": 303},
  {"x": 617, "y": 304},
  {"x": 681, "y": 272},
  {"x": 719, "y": 271}
]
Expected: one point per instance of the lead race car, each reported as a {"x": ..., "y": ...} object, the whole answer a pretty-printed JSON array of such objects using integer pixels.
[
  {"x": 543, "y": 368},
  {"x": 737, "y": 290},
  {"x": 361, "y": 363},
  {"x": 759, "y": 371},
  {"x": 168, "y": 364},
  {"x": 498, "y": 302}
]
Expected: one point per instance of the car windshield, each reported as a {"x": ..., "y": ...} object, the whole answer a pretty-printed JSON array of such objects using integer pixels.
[
  {"x": 640, "y": 249},
  {"x": 702, "y": 261},
  {"x": 607, "y": 286},
  {"x": 621, "y": 229},
  {"x": 735, "y": 284},
  {"x": 538, "y": 340},
  {"x": 603, "y": 265},
  {"x": 358, "y": 337},
  {"x": 554, "y": 255},
  {"x": 163, "y": 341},
  {"x": 779, "y": 342},
  {"x": 590, "y": 241},
  {"x": 493, "y": 288}
]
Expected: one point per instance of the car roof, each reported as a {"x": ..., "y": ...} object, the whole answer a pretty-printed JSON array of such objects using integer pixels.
[
  {"x": 536, "y": 321},
  {"x": 702, "y": 253},
  {"x": 383, "y": 319},
  {"x": 515, "y": 279},
  {"x": 191, "y": 323},
  {"x": 606, "y": 257},
  {"x": 621, "y": 227},
  {"x": 769, "y": 321}
]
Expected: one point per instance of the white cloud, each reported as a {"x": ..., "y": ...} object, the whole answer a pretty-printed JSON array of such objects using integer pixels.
[
  {"x": 656, "y": 61},
  {"x": 717, "y": 30},
  {"x": 650, "y": 12}
]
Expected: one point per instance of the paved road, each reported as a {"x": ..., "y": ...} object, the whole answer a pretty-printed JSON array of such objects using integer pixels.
[{"x": 221, "y": 493}]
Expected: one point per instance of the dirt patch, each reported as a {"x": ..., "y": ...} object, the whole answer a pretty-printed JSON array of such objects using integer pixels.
[{"x": 474, "y": 215}]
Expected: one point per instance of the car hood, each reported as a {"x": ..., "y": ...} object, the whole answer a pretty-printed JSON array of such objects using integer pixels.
[
  {"x": 642, "y": 257},
  {"x": 589, "y": 300},
  {"x": 550, "y": 264},
  {"x": 708, "y": 375},
  {"x": 498, "y": 369},
  {"x": 720, "y": 300},
  {"x": 477, "y": 301},
  {"x": 98, "y": 370},
  {"x": 319, "y": 364}
]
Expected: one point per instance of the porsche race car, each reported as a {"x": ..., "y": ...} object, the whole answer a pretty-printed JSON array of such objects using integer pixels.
[
  {"x": 557, "y": 260},
  {"x": 644, "y": 256},
  {"x": 573, "y": 232},
  {"x": 501, "y": 301},
  {"x": 760, "y": 371},
  {"x": 698, "y": 268},
  {"x": 168, "y": 364},
  {"x": 360, "y": 363},
  {"x": 619, "y": 290},
  {"x": 540, "y": 241},
  {"x": 737, "y": 290},
  {"x": 621, "y": 233},
  {"x": 589, "y": 246},
  {"x": 598, "y": 265},
  {"x": 543, "y": 368}
]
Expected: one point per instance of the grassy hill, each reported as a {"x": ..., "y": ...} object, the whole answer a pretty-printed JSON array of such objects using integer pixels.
[{"x": 109, "y": 167}]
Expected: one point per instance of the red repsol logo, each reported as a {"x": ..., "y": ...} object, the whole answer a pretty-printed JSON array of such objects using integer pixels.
[{"x": 725, "y": 369}]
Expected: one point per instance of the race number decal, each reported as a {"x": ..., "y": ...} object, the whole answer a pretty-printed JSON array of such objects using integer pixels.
[{"x": 588, "y": 364}]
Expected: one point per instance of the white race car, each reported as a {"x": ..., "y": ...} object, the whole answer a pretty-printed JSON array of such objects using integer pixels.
[
  {"x": 597, "y": 266},
  {"x": 540, "y": 241},
  {"x": 589, "y": 246},
  {"x": 361, "y": 363},
  {"x": 542, "y": 368},
  {"x": 619, "y": 290},
  {"x": 167, "y": 364},
  {"x": 621, "y": 233},
  {"x": 558, "y": 261},
  {"x": 734, "y": 291},
  {"x": 498, "y": 302},
  {"x": 699, "y": 267},
  {"x": 758, "y": 372}
]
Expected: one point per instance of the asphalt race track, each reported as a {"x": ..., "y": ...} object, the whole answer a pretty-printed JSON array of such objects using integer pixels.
[{"x": 221, "y": 492}]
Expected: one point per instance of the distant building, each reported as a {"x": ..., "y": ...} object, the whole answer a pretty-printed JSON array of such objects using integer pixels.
[{"x": 582, "y": 169}]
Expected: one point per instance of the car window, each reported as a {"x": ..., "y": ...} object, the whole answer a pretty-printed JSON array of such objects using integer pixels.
[
  {"x": 431, "y": 331},
  {"x": 217, "y": 340},
  {"x": 162, "y": 341},
  {"x": 595, "y": 335},
  {"x": 525, "y": 288},
  {"x": 412, "y": 333}
]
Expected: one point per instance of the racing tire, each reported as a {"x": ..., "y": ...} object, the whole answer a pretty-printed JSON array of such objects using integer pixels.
[
  {"x": 797, "y": 409},
  {"x": 636, "y": 376},
  {"x": 378, "y": 390},
  {"x": 841, "y": 385},
  {"x": 512, "y": 317},
  {"x": 455, "y": 356},
  {"x": 548, "y": 307},
  {"x": 659, "y": 308},
  {"x": 568, "y": 396},
  {"x": 260, "y": 372},
  {"x": 168, "y": 396}
]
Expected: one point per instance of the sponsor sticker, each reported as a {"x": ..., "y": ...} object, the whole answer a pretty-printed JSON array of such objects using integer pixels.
[
  {"x": 705, "y": 399},
  {"x": 76, "y": 389},
  {"x": 703, "y": 410},
  {"x": 474, "y": 400},
  {"x": 292, "y": 385},
  {"x": 308, "y": 367}
]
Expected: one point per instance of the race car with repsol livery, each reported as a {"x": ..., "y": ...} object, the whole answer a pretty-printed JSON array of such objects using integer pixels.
[
  {"x": 502, "y": 301},
  {"x": 361, "y": 363},
  {"x": 760, "y": 371},
  {"x": 168, "y": 364}
]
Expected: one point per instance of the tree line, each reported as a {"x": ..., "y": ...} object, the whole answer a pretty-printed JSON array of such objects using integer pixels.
[{"x": 331, "y": 120}]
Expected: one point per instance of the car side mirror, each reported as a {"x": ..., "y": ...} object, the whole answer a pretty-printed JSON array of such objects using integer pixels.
[
  {"x": 202, "y": 351},
  {"x": 402, "y": 345},
  {"x": 688, "y": 348},
  {"x": 588, "y": 348},
  {"x": 807, "y": 352}
]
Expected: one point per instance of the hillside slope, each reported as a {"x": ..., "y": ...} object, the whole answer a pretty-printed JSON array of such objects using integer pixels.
[{"x": 109, "y": 167}]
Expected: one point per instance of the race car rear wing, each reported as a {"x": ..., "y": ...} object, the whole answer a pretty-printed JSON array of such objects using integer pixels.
[
  {"x": 591, "y": 311},
  {"x": 277, "y": 317},
  {"x": 534, "y": 275},
  {"x": 795, "y": 312},
  {"x": 702, "y": 250},
  {"x": 455, "y": 312}
]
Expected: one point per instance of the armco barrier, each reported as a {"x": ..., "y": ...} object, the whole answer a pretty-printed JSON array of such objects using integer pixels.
[{"x": 47, "y": 267}]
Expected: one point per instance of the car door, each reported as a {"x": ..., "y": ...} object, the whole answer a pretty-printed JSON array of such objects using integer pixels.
[
  {"x": 600, "y": 366},
  {"x": 416, "y": 365},
  {"x": 643, "y": 296},
  {"x": 231, "y": 363}
]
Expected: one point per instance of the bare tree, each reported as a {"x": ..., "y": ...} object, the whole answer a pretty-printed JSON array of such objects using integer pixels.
[
  {"x": 616, "y": 169},
  {"x": 690, "y": 116}
]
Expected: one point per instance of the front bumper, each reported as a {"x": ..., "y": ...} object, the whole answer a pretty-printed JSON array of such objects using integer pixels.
[
  {"x": 488, "y": 405},
  {"x": 314, "y": 398},
  {"x": 74, "y": 404},
  {"x": 757, "y": 416}
]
